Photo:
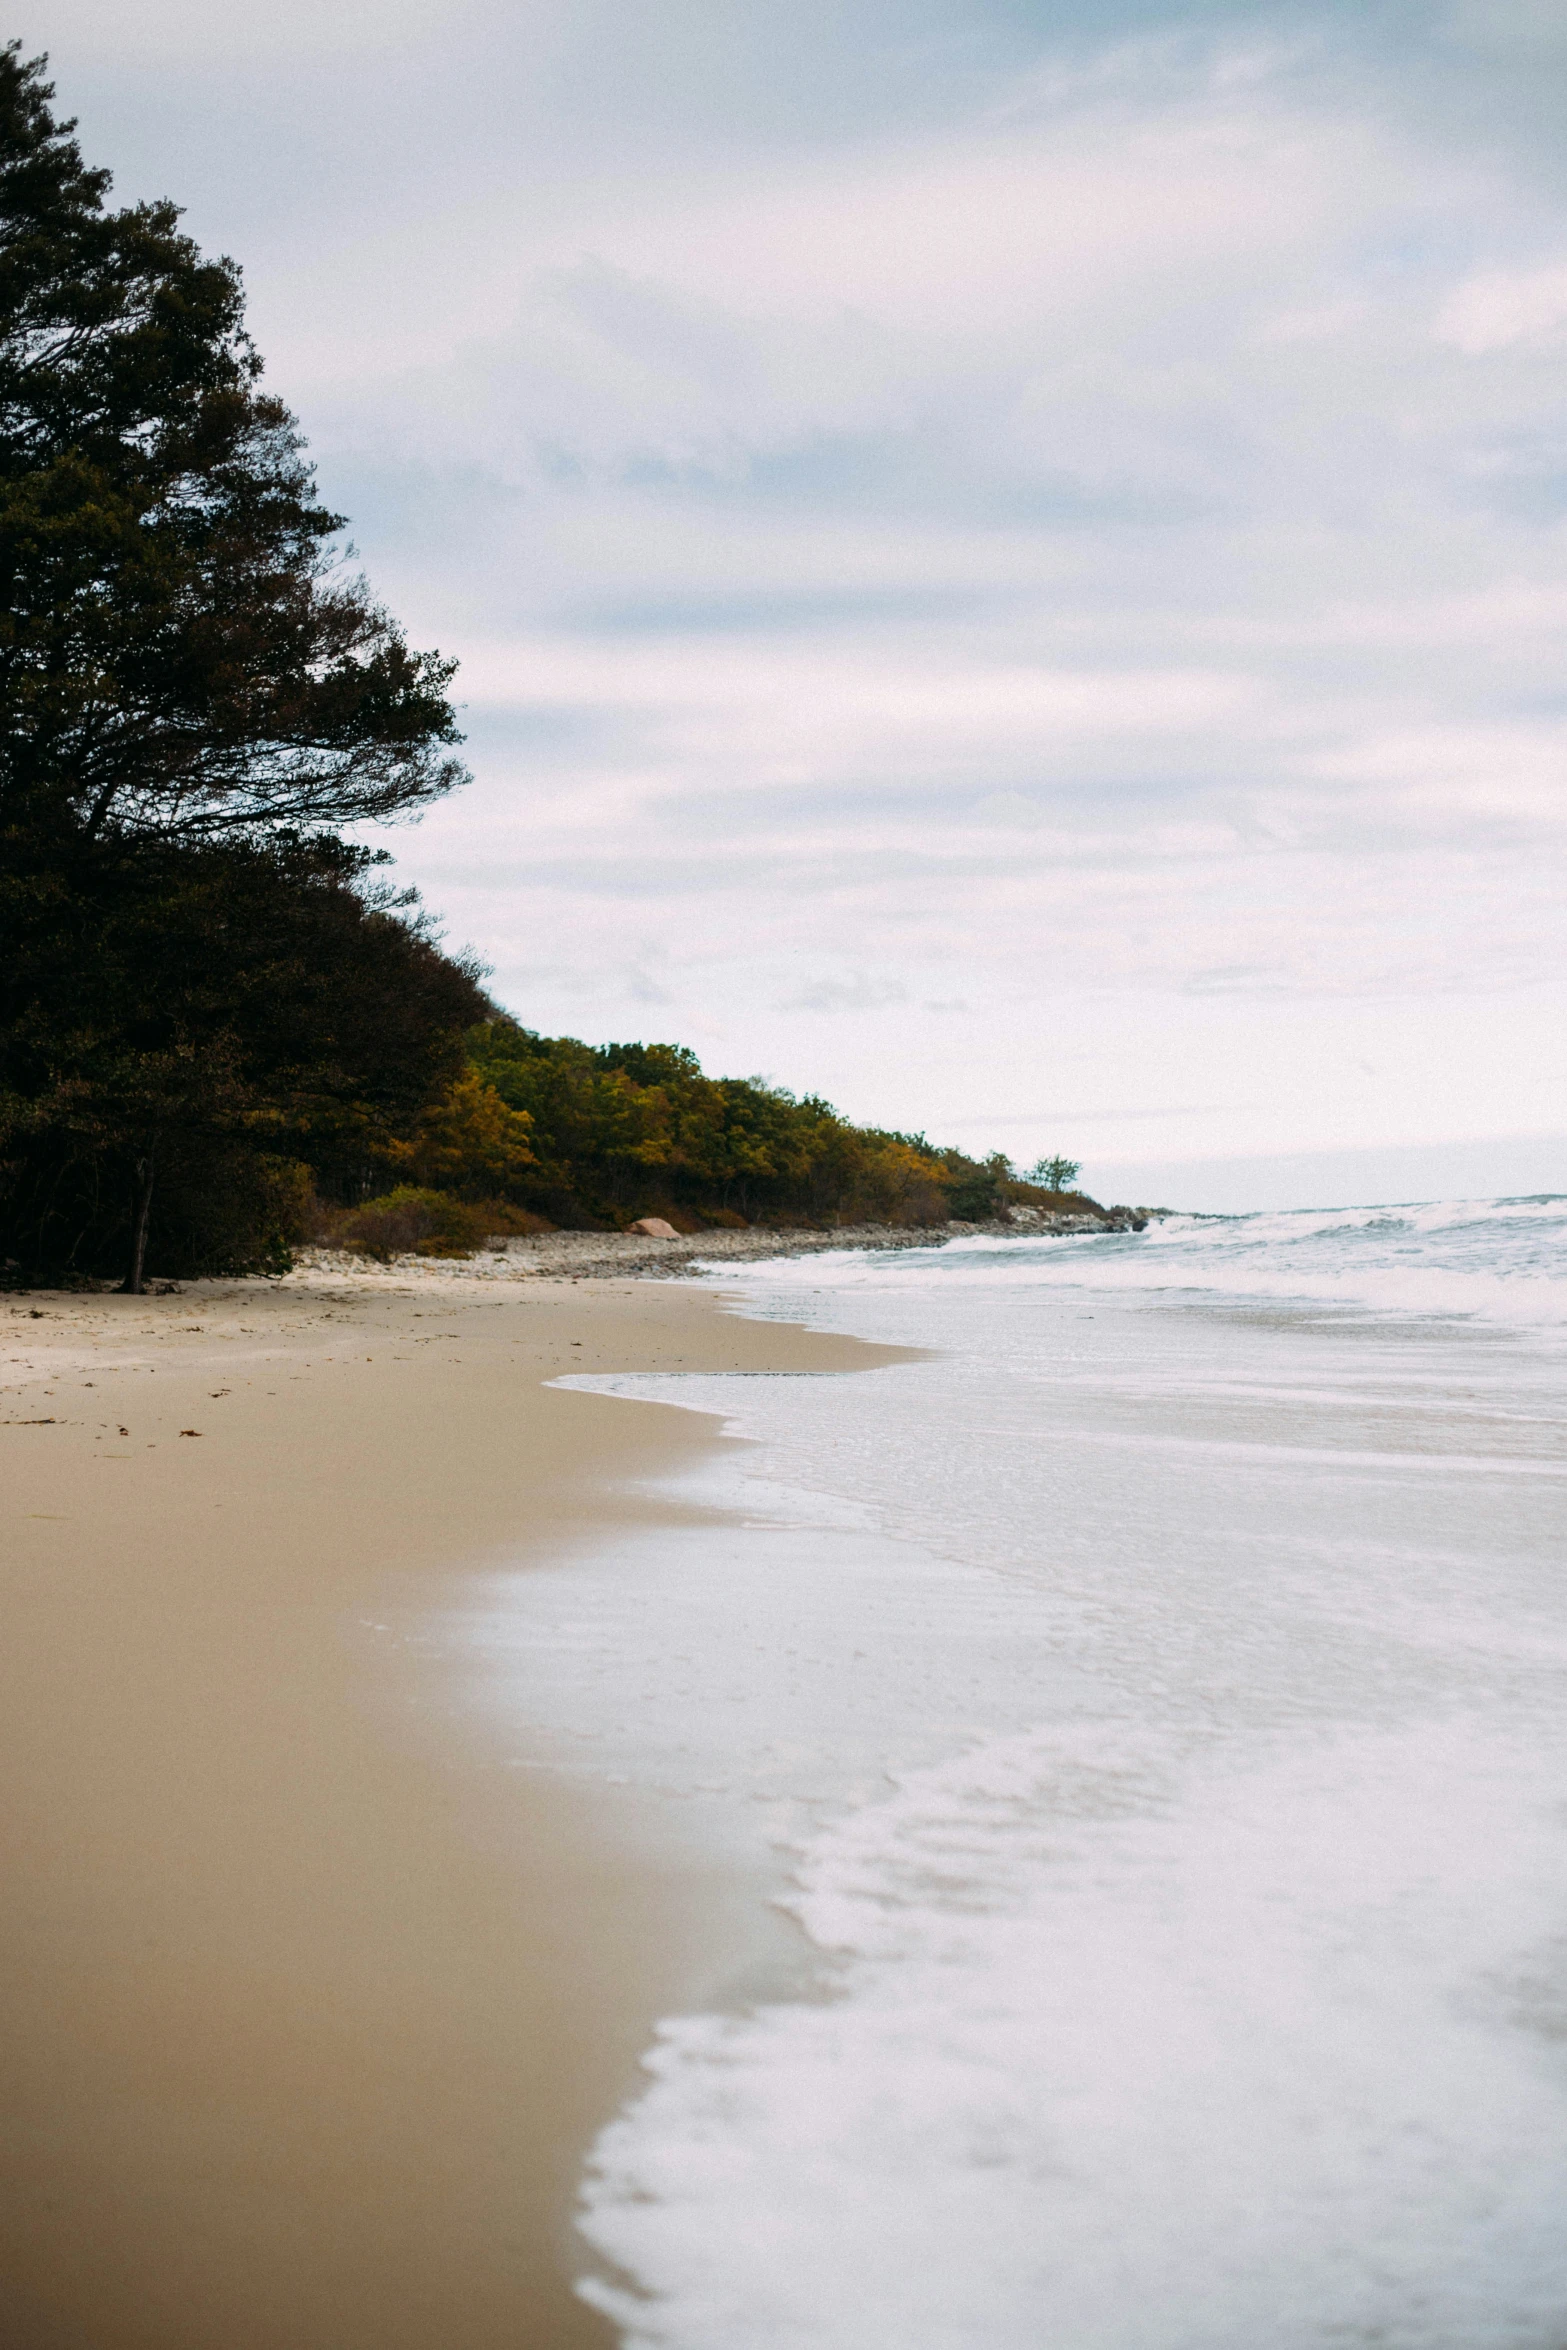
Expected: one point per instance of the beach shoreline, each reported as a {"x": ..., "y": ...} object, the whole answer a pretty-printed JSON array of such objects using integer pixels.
[
  {"x": 636, "y": 1256},
  {"x": 312, "y": 2007}
]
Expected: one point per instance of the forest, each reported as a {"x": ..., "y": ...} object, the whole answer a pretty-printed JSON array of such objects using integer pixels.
[{"x": 223, "y": 1033}]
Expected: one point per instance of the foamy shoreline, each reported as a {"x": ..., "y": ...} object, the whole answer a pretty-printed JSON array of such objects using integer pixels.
[{"x": 1201, "y": 1979}]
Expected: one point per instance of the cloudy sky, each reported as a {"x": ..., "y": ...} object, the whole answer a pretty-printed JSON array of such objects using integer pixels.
[{"x": 1006, "y": 555}]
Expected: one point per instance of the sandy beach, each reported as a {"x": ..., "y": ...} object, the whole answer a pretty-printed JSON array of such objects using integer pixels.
[{"x": 309, "y": 2013}]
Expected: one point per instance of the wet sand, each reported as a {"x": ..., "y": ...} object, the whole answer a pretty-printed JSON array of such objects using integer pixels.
[{"x": 308, "y": 2007}]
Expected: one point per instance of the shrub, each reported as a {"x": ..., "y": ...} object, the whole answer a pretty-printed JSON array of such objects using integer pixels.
[
  {"x": 974, "y": 1187},
  {"x": 412, "y": 1222}
]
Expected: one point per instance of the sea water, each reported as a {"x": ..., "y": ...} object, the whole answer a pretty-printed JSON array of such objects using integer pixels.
[{"x": 1152, "y": 1706}]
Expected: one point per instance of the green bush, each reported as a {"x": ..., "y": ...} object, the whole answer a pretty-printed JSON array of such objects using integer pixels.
[{"x": 413, "y": 1222}]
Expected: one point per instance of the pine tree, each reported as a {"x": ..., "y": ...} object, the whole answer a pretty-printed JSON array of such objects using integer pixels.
[
  {"x": 194, "y": 693},
  {"x": 180, "y": 651}
]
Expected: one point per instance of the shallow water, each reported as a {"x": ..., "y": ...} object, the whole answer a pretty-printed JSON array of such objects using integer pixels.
[{"x": 1152, "y": 1710}]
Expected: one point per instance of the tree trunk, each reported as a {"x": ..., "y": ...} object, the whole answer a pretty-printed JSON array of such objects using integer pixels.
[{"x": 134, "y": 1284}]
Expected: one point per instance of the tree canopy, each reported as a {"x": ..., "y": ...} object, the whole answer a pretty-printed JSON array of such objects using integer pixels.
[
  {"x": 182, "y": 652},
  {"x": 622, "y": 1130},
  {"x": 196, "y": 692}
]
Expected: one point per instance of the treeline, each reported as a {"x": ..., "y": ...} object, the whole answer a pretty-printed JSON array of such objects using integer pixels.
[
  {"x": 220, "y": 1034},
  {"x": 290, "y": 1062},
  {"x": 550, "y": 1131}
]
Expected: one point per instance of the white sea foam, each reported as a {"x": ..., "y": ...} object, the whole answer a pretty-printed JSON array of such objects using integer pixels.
[
  {"x": 1503, "y": 1261},
  {"x": 1120, "y": 2060},
  {"x": 1156, "y": 1706}
]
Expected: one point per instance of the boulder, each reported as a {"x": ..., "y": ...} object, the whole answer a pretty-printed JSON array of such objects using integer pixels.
[{"x": 654, "y": 1228}]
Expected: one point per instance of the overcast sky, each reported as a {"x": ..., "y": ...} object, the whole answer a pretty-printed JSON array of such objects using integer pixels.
[{"x": 1007, "y": 558}]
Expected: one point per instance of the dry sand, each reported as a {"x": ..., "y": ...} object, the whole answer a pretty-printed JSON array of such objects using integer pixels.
[{"x": 307, "y": 2016}]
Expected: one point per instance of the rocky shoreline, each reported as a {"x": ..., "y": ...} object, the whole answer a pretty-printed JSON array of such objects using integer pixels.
[{"x": 598, "y": 1256}]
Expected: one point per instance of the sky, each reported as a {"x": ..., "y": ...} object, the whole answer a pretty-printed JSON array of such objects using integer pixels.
[{"x": 1006, "y": 558}]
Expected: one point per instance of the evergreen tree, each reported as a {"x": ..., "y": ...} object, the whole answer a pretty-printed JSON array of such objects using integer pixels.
[
  {"x": 205, "y": 1020},
  {"x": 192, "y": 690},
  {"x": 180, "y": 653}
]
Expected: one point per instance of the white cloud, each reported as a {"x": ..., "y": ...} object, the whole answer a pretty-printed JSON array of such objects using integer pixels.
[
  {"x": 1497, "y": 308},
  {"x": 1000, "y": 523}
]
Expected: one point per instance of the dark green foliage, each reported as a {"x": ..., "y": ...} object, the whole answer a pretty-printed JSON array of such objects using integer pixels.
[
  {"x": 977, "y": 1190},
  {"x": 196, "y": 988},
  {"x": 619, "y": 1131},
  {"x": 173, "y": 1014},
  {"x": 220, "y": 1206},
  {"x": 179, "y": 653},
  {"x": 1055, "y": 1174},
  {"x": 625, "y": 1130}
]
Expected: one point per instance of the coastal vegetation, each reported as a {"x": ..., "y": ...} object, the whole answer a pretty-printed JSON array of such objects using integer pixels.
[
  {"x": 541, "y": 1131},
  {"x": 221, "y": 1032}
]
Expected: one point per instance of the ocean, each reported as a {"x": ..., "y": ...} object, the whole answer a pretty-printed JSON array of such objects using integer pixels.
[{"x": 1145, "y": 1716}]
